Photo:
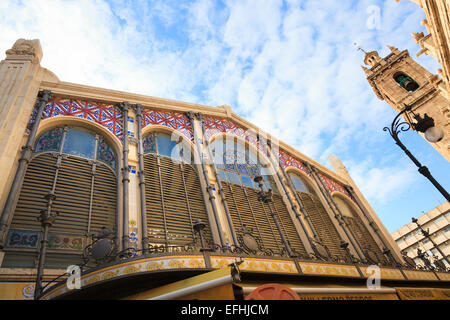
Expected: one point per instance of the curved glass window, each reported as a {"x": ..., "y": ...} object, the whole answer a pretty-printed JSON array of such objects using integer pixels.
[
  {"x": 162, "y": 144},
  {"x": 298, "y": 183},
  {"x": 78, "y": 142},
  {"x": 49, "y": 141},
  {"x": 343, "y": 206},
  {"x": 239, "y": 166}
]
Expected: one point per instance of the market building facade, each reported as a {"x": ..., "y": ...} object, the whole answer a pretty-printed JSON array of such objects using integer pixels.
[{"x": 133, "y": 194}]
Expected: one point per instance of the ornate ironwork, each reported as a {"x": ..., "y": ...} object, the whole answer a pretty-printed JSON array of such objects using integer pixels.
[
  {"x": 425, "y": 259},
  {"x": 398, "y": 126},
  {"x": 321, "y": 251},
  {"x": 250, "y": 244},
  {"x": 426, "y": 234},
  {"x": 409, "y": 262}
]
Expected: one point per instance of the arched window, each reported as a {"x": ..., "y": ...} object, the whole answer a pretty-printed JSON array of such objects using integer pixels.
[
  {"x": 79, "y": 167},
  {"x": 360, "y": 231},
  {"x": 317, "y": 214},
  {"x": 174, "y": 200},
  {"x": 298, "y": 183},
  {"x": 237, "y": 166},
  {"x": 406, "y": 82}
]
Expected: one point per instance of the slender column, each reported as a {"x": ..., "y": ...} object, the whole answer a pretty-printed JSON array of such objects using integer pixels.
[
  {"x": 144, "y": 237},
  {"x": 47, "y": 217},
  {"x": 190, "y": 115},
  {"x": 27, "y": 152},
  {"x": 125, "y": 174},
  {"x": 291, "y": 202},
  {"x": 93, "y": 172},
  {"x": 219, "y": 184},
  {"x": 338, "y": 215},
  {"x": 371, "y": 223}
]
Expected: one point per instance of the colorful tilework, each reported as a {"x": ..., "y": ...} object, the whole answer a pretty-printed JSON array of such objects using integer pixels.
[
  {"x": 107, "y": 115},
  {"x": 175, "y": 120}
]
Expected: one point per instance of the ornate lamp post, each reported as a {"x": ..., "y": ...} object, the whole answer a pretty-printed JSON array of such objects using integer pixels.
[
  {"x": 46, "y": 219},
  {"x": 198, "y": 228},
  {"x": 427, "y": 235},
  {"x": 432, "y": 134},
  {"x": 266, "y": 197}
]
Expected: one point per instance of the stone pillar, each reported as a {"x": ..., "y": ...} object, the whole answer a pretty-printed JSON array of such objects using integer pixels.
[
  {"x": 342, "y": 171},
  {"x": 19, "y": 85}
]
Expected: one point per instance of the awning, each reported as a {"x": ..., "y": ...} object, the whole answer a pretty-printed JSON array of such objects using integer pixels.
[
  {"x": 423, "y": 293},
  {"x": 216, "y": 284},
  {"x": 333, "y": 292}
]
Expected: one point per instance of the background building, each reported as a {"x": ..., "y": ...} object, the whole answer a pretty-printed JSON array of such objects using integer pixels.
[
  {"x": 400, "y": 81},
  {"x": 437, "y": 42},
  {"x": 146, "y": 191},
  {"x": 437, "y": 223}
]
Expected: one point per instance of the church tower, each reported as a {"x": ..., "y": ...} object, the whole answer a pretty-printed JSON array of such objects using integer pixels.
[{"x": 400, "y": 81}]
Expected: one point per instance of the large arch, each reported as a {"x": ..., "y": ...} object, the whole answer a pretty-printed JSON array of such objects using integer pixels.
[
  {"x": 174, "y": 198},
  {"x": 85, "y": 188},
  {"x": 248, "y": 214},
  {"x": 325, "y": 226},
  {"x": 352, "y": 215}
]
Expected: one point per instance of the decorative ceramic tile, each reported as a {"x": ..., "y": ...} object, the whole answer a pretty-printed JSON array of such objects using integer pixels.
[
  {"x": 136, "y": 266},
  {"x": 107, "y": 115},
  {"x": 420, "y": 275},
  {"x": 255, "y": 264},
  {"x": 286, "y": 160},
  {"x": 444, "y": 276},
  {"x": 329, "y": 269},
  {"x": 175, "y": 120},
  {"x": 386, "y": 273},
  {"x": 22, "y": 239},
  {"x": 217, "y": 125},
  {"x": 66, "y": 242}
]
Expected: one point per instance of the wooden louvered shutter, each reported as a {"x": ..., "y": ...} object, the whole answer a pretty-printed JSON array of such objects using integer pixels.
[
  {"x": 85, "y": 202},
  {"x": 174, "y": 201},
  {"x": 364, "y": 237},
  {"x": 322, "y": 223},
  {"x": 246, "y": 209}
]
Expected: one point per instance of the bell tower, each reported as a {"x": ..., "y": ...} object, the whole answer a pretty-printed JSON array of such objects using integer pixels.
[{"x": 400, "y": 81}]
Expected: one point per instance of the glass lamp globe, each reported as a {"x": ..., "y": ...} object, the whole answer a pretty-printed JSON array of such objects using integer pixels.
[{"x": 434, "y": 134}]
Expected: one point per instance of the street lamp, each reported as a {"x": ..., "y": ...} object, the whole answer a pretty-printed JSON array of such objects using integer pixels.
[
  {"x": 432, "y": 134},
  {"x": 198, "y": 228},
  {"x": 46, "y": 218},
  {"x": 427, "y": 235},
  {"x": 266, "y": 197}
]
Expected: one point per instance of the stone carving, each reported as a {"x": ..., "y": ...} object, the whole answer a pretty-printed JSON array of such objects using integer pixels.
[{"x": 23, "y": 47}]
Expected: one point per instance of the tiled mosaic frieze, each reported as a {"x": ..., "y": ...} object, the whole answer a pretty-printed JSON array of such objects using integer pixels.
[
  {"x": 22, "y": 239},
  {"x": 255, "y": 264},
  {"x": 175, "y": 120},
  {"x": 333, "y": 185},
  {"x": 107, "y": 115},
  {"x": 286, "y": 160},
  {"x": 329, "y": 269},
  {"x": 136, "y": 266},
  {"x": 420, "y": 275},
  {"x": 216, "y": 125},
  {"x": 385, "y": 273},
  {"x": 31, "y": 239},
  {"x": 65, "y": 242}
]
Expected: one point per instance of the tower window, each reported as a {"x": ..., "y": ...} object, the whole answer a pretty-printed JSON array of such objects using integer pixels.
[{"x": 406, "y": 82}]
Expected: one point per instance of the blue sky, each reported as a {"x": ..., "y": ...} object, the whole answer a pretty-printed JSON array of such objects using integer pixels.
[{"x": 288, "y": 66}]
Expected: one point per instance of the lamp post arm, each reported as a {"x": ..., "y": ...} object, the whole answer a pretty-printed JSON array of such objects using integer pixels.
[{"x": 398, "y": 126}]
